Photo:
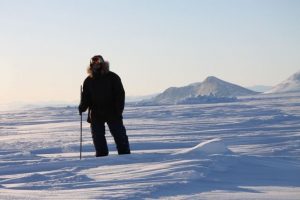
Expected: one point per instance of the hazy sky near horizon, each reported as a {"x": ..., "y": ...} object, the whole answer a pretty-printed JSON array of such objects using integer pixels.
[{"x": 152, "y": 44}]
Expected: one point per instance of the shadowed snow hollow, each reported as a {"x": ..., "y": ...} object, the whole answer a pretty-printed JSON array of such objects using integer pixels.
[{"x": 214, "y": 146}]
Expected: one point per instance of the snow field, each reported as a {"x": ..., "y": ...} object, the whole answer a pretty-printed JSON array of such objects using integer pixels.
[{"x": 241, "y": 150}]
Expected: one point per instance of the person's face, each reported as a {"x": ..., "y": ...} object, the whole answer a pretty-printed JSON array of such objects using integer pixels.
[
  {"x": 96, "y": 65},
  {"x": 96, "y": 61}
]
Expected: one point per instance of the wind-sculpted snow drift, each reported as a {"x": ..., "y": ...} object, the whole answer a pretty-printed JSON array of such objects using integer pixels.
[
  {"x": 239, "y": 150},
  {"x": 214, "y": 146}
]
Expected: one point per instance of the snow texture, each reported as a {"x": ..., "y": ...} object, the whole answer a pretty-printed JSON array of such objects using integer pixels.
[
  {"x": 214, "y": 146},
  {"x": 238, "y": 150}
]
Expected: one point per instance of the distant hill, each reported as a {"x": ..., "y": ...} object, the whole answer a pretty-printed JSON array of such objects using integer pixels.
[
  {"x": 260, "y": 88},
  {"x": 212, "y": 87},
  {"x": 292, "y": 84},
  {"x": 139, "y": 98}
]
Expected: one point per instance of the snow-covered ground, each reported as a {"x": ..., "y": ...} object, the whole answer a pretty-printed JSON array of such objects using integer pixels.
[{"x": 248, "y": 149}]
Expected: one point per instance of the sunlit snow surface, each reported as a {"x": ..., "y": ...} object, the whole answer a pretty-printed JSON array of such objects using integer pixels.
[{"x": 248, "y": 149}]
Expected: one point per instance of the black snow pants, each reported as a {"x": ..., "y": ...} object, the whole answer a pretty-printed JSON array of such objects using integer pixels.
[{"x": 118, "y": 132}]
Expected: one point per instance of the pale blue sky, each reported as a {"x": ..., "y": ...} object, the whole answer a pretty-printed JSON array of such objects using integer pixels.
[{"x": 152, "y": 44}]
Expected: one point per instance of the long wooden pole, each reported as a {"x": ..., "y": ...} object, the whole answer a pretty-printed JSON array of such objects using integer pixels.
[{"x": 80, "y": 124}]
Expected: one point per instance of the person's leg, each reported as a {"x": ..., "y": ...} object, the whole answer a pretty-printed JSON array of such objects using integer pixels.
[
  {"x": 99, "y": 140},
  {"x": 118, "y": 131}
]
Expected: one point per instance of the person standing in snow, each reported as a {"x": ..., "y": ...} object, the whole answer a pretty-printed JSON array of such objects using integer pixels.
[{"x": 104, "y": 97}]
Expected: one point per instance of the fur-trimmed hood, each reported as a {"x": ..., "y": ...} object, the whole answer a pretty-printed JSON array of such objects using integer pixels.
[{"x": 103, "y": 70}]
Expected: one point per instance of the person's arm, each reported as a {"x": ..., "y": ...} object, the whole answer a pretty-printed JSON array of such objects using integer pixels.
[
  {"x": 85, "y": 98},
  {"x": 119, "y": 93}
]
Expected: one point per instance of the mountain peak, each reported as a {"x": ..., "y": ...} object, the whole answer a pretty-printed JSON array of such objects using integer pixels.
[
  {"x": 292, "y": 84},
  {"x": 295, "y": 77},
  {"x": 211, "y": 78},
  {"x": 211, "y": 86}
]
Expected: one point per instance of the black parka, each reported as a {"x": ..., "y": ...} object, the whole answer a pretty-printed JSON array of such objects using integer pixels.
[{"x": 104, "y": 96}]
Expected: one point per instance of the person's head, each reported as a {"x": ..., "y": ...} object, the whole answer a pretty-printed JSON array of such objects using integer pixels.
[{"x": 98, "y": 65}]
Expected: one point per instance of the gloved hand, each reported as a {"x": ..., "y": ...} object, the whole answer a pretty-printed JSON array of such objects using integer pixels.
[{"x": 80, "y": 110}]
